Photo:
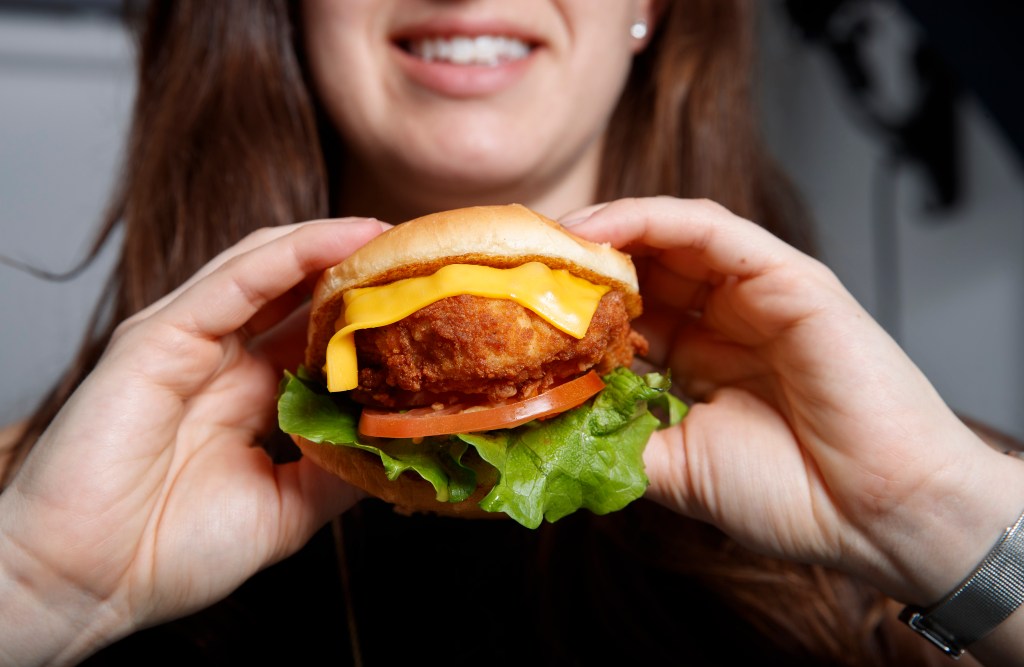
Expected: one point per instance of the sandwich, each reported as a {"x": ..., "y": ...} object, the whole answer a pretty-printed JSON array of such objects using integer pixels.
[{"x": 476, "y": 363}]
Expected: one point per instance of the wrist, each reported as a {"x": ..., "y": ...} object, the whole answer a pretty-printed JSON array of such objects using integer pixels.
[
  {"x": 44, "y": 618},
  {"x": 982, "y": 602},
  {"x": 965, "y": 525},
  {"x": 928, "y": 542},
  {"x": 938, "y": 539}
]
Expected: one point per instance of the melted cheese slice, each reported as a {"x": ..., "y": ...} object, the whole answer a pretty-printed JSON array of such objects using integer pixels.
[{"x": 566, "y": 302}]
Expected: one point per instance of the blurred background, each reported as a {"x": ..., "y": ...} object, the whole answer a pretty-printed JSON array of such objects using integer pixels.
[{"x": 899, "y": 120}]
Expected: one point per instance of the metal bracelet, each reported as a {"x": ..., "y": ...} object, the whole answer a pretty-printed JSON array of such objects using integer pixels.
[{"x": 981, "y": 602}]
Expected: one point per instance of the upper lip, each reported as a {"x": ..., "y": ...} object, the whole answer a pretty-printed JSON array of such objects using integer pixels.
[{"x": 462, "y": 27}]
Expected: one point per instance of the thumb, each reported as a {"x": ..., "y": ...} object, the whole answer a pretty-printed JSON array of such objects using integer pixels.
[{"x": 311, "y": 497}]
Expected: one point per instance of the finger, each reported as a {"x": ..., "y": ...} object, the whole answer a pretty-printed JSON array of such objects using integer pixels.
[
  {"x": 663, "y": 287},
  {"x": 284, "y": 345},
  {"x": 573, "y": 218},
  {"x": 276, "y": 311},
  {"x": 255, "y": 239},
  {"x": 310, "y": 497},
  {"x": 240, "y": 287},
  {"x": 660, "y": 331},
  {"x": 714, "y": 238},
  {"x": 701, "y": 360},
  {"x": 704, "y": 361},
  {"x": 734, "y": 462},
  {"x": 249, "y": 242}
]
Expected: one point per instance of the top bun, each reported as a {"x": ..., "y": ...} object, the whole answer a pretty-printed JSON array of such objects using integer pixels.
[{"x": 499, "y": 236}]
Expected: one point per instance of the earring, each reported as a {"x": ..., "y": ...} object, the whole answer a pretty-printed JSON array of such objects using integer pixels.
[{"x": 639, "y": 29}]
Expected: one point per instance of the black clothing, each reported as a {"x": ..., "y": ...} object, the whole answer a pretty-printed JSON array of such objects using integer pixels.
[{"x": 429, "y": 590}]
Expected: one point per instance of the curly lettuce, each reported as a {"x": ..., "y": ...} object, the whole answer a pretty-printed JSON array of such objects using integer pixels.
[{"x": 589, "y": 457}]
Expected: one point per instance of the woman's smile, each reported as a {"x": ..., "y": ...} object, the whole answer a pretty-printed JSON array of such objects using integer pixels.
[
  {"x": 459, "y": 58},
  {"x": 484, "y": 101},
  {"x": 485, "y": 50}
]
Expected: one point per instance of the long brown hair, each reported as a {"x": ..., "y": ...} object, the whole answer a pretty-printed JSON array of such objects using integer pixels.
[
  {"x": 685, "y": 125},
  {"x": 227, "y": 138},
  {"x": 223, "y": 141}
]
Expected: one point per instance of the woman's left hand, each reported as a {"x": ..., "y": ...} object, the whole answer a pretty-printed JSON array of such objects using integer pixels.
[{"x": 815, "y": 437}]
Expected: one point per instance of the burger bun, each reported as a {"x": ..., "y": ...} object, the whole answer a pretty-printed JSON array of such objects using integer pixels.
[{"x": 408, "y": 494}]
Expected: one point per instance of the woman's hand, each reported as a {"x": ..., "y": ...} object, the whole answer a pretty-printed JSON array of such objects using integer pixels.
[
  {"x": 148, "y": 496},
  {"x": 815, "y": 437}
]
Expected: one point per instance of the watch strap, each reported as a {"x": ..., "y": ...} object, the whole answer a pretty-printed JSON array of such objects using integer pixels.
[{"x": 986, "y": 598}]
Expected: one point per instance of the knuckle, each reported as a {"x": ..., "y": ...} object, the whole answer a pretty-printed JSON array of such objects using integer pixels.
[
  {"x": 124, "y": 328},
  {"x": 710, "y": 208},
  {"x": 259, "y": 237}
]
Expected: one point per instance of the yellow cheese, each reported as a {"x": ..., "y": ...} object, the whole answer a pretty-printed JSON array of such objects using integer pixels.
[{"x": 565, "y": 301}]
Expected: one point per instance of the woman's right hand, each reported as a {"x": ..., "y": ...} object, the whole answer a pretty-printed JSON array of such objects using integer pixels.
[{"x": 148, "y": 496}]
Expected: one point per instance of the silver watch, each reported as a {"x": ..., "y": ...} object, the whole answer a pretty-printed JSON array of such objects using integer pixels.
[{"x": 981, "y": 602}]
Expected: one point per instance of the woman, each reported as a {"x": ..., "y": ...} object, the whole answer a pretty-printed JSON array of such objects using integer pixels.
[{"x": 815, "y": 439}]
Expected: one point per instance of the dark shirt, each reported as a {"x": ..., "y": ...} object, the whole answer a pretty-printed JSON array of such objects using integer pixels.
[{"x": 429, "y": 590}]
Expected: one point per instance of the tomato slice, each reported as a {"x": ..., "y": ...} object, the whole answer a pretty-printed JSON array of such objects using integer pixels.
[{"x": 461, "y": 418}]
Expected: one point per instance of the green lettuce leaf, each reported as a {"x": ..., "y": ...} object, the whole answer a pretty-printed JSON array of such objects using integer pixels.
[
  {"x": 589, "y": 457},
  {"x": 305, "y": 408}
]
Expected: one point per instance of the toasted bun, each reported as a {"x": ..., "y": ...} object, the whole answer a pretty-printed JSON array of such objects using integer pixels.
[
  {"x": 500, "y": 236},
  {"x": 409, "y": 494}
]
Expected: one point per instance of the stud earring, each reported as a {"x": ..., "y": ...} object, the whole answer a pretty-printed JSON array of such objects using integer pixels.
[{"x": 639, "y": 29}]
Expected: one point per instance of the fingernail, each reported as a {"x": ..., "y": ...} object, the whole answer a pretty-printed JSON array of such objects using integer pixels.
[{"x": 573, "y": 221}]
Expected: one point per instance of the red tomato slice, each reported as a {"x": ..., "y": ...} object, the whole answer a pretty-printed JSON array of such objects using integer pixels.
[{"x": 421, "y": 422}]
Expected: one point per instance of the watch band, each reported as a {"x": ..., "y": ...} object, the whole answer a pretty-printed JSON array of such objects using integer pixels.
[{"x": 981, "y": 602}]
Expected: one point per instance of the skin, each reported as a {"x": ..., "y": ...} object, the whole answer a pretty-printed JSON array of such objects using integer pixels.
[
  {"x": 535, "y": 141},
  {"x": 97, "y": 545},
  {"x": 816, "y": 438}
]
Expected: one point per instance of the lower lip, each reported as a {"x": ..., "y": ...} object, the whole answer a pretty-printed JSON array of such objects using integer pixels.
[{"x": 462, "y": 81}]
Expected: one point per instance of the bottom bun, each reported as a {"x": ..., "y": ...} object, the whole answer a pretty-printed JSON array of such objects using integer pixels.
[{"x": 408, "y": 494}]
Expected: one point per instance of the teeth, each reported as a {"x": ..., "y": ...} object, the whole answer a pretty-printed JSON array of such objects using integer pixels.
[{"x": 483, "y": 50}]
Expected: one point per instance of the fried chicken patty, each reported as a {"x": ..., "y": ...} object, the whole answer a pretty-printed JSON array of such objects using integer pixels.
[{"x": 485, "y": 349}]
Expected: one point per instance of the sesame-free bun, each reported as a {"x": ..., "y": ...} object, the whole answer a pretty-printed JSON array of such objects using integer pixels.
[
  {"x": 499, "y": 236},
  {"x": 408, "y": 493}
]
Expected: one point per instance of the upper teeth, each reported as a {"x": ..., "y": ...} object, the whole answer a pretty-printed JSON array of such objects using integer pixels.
[{"x": 482, "y": 50}]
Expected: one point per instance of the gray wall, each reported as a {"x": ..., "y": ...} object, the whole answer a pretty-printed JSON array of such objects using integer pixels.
[
  {"x": 959, "y": 278},
  {"x": 66, "y": 87}
]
